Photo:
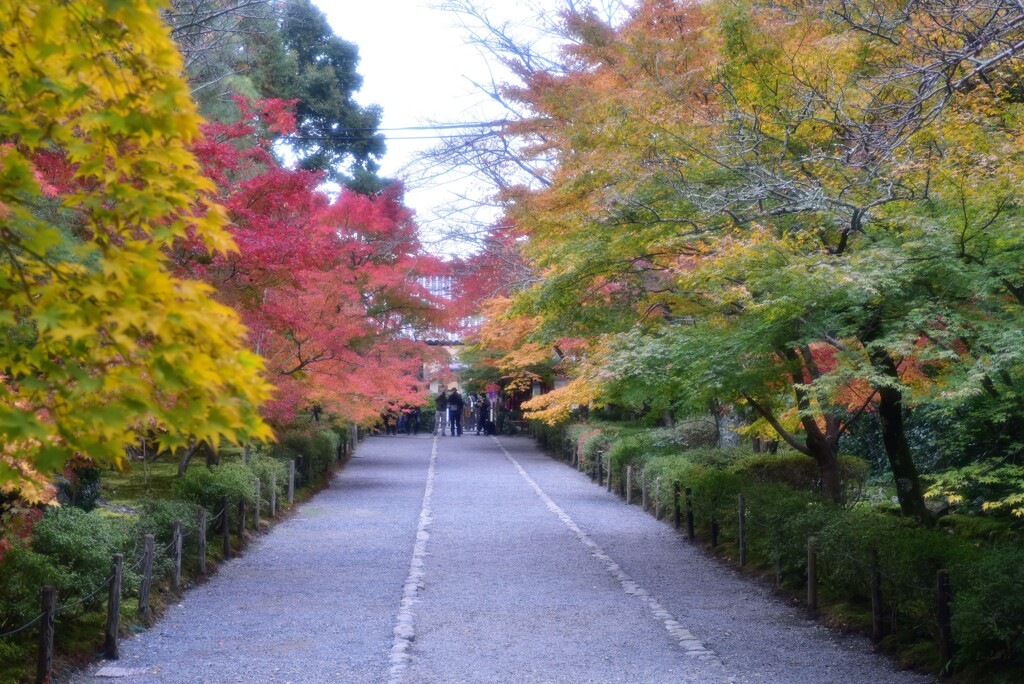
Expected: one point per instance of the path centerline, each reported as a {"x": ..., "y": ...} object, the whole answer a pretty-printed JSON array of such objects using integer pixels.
[{"x": 405, "y": 627}]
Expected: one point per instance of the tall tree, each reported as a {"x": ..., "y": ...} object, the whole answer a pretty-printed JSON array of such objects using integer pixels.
[
  {"x": 334, "y": 133},
  {"x": 757, "y": 201},
  {"x": 330, "y": 289},
  {"x": 100, "y": 338}
]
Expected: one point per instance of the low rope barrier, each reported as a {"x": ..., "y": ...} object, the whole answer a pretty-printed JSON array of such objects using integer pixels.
[
  {"x": 106, "y": 583},
  {"x": 25, "y": 626}
]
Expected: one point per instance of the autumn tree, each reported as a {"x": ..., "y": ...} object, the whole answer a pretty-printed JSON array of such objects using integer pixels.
[
  {"x": 329, "y": 289},
  {"x": 97, "y": 181},
  {"x": 766, "y": 205}
]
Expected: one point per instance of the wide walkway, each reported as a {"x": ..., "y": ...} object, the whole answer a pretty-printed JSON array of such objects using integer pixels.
[{"x": 477, "y": 559}]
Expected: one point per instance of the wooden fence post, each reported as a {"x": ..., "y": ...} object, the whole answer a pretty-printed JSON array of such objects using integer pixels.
[
  {"x": 273, "y": 495},
  {"x": 943, "y": 601},
  {"x": 202, "y": 541},
  {"x": 676, "y": 512},
  {"x": 608, "y": 469},
  {"x": 45, "y": 661},
  {"x": 689, "y": 515},
  {"x": 600, "y": 474},
  {"x": 241, "y": 522},
  {"x": 225, "y": 530},
  {"x": 741, "y": 524},
  {"x": 812, "y": 576},
  {"x": 291, "y": 482},
  {"x": 110, "y": 642},
  {"x": 629, "y": 484},
  {"x": 876, "y": 599},
  {"x": 657, "y": 498},
  {"x": 145, "y": 612},
  {"x": 256, "y": 512},
  {"x": 176, "y": 557},
  {"x": 643, "y": 490}
]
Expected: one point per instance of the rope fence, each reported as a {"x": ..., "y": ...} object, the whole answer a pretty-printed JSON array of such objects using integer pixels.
[{"x": 173, "y": 549}]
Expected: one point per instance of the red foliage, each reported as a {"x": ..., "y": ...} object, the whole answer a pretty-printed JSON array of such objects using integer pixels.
[{"x": 329, "y": 289}]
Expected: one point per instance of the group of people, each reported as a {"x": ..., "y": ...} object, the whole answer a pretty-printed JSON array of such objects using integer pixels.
[
  {"x": 451, "y": 408},
  {"x": 404, "y": 419},
  {"x": 452, "y": 411}
]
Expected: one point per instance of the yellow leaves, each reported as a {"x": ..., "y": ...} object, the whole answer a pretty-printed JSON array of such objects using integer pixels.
[
  {"x": 101, "y": 319},
  {"x": 556, "y": 406}
]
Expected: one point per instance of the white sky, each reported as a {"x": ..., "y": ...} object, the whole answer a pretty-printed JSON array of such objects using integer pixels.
[{"x": 416, "y": 64}]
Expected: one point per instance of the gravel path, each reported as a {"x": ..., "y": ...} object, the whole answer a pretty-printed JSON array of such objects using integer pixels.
[{"x": 476, "y": 559}]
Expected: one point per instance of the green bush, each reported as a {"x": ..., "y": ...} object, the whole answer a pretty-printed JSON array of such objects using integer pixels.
[
  {"x": 799, "y": 471},
  {"x": 988, "y": 608},
  {"x": 24, "y": 572},
  {"x": 315, "y": 446},
  {"x": 265, "y": 467},
  {"x": 80, "y": 547},
  {"x": 158, "y": 517},
  {"x": 208, "y": 487}
]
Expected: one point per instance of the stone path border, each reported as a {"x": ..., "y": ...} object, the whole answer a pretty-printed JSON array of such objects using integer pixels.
[{"x": 686, "y": 640}]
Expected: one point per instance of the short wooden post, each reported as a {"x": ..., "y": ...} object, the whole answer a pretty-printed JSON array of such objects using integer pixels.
[
  {"x": 741, "y": 525},
  {"x": 689, "y": 514},
  {"x": 944, "y": 615},
  {"x": 291, "y": 482},
  {"x": 273, "y": 495},
  {"x": 241, "y": 522},
  {"x": 812, "y": 576},
  {"x": 608, "y": 471},
  {"x": 600, "y": 472},
  {"x": 45, "y": 662},
  {"x": 145, "y": 612},
  {"x": 643, "y": 491},
  {"x": 876, "y": 599},
  {"x": 176, "y": 551},
  {"x": 354, "y": 434},
  {"x": 657, "y": 498},
  {"x": 256, "y": 510},
  {"x": 225, "y": 530},
  {"x": 676, "y": 511},
  {"x": 714, "y": 531},
  {"x": 110, "y": 641},
  {"x": 629, "y": 484},
  {"x": 202, "y": 541}
]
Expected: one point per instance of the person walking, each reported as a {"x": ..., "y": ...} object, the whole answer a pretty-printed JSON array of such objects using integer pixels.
[
  {"x": 483, "y": 415},
  {"x": 455, "y": 407},
  {"x": 441, "y": 415}
]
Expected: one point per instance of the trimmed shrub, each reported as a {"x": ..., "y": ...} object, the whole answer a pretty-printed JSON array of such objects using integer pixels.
[
  {"x": 265, "y": 467},
  {"x": 316, "y": 446},
  {"x": 988, "y": 607},
  {"x": 799, "y": 471},
  {"x": 79, "y": 546},
  {"x": 207, "y": 487}
]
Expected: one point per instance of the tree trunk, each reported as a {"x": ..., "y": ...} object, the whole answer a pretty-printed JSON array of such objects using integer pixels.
[
  {"x": 185, "y": 457},
  {"x": 894, "y": 437},
  {"x": 826, "y": 452},
  {"x": 909, "y": 491},
  {"x": 212, "y": 456}
]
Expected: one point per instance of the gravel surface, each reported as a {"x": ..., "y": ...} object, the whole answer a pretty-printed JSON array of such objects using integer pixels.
[{"x": 488, "y": 562}]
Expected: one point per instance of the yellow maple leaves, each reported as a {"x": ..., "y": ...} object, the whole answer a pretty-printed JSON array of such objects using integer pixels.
[{"x": 101, "y": 335}]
